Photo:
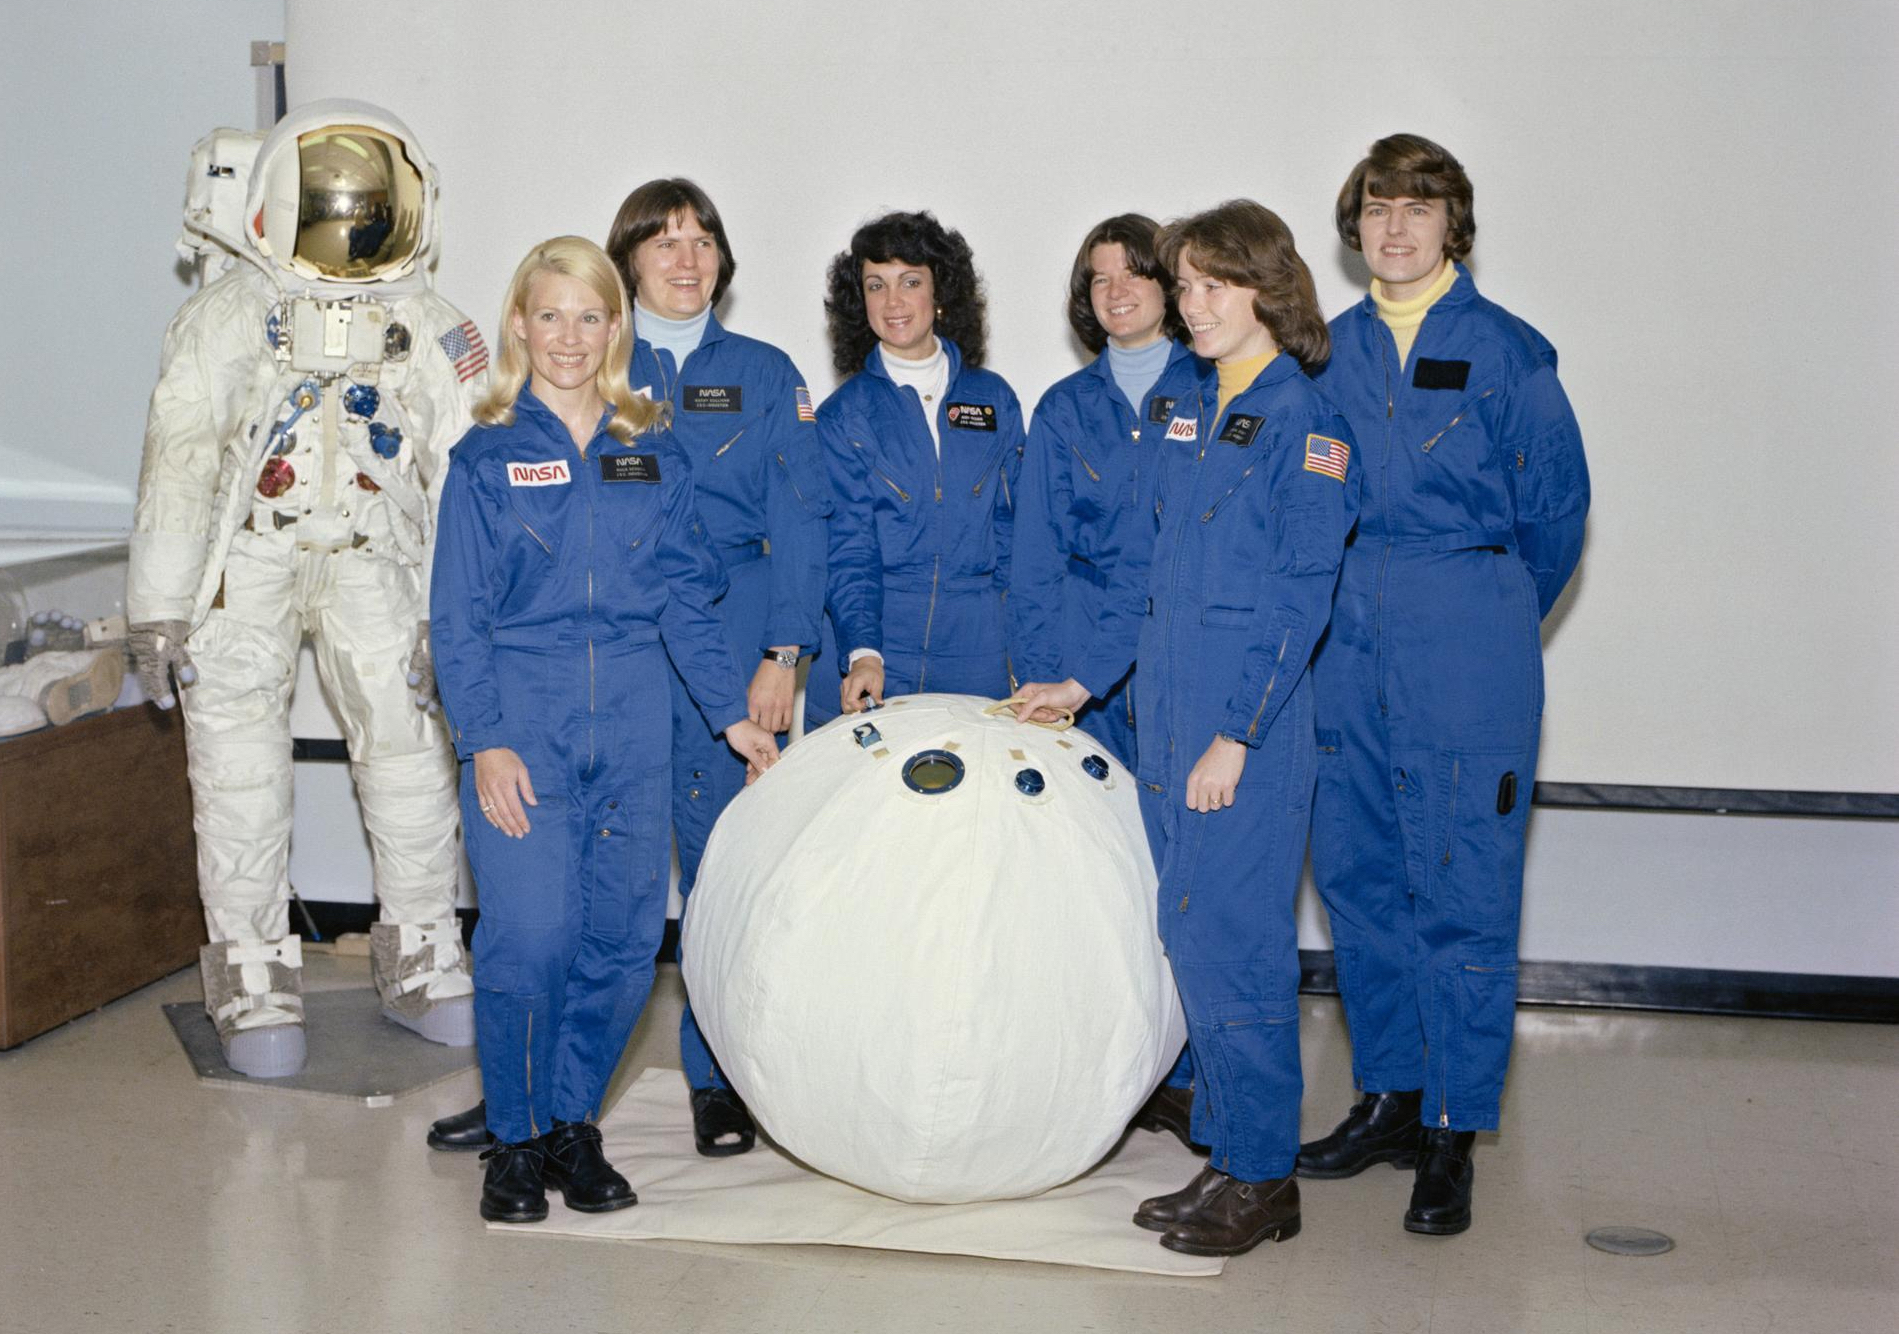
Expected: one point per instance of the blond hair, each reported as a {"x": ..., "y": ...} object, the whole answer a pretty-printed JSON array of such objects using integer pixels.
[{"x": 580, "y": 259}]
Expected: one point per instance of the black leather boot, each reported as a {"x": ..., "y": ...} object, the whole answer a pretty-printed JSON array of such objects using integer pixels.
[
  {"x": 721, "y": 1126},
  {"x": 1380, "y": 1128},
  {"x": 1440, "y": 1198},
  {"x": 463, "y": 1132},
  {"x": 579, "y": 1170},
  {"x": 1236, "y": 1216},
  {"x": 1171, "y": 1110},
  {"x": 1163, "y": 1211},
  {"x": 512, "y": 1192}
]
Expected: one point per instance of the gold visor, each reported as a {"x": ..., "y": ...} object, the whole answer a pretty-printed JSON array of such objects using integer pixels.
[{"x": 359, "y": 210}]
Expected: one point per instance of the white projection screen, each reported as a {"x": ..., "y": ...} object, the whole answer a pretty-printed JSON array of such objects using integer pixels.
[{"x": 1695, "y": 202}]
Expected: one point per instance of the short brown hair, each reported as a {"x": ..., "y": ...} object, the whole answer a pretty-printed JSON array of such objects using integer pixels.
[
  {"x": 1136, "y": 234},
  {"x": 1409, "y": 166},
  {"x": 1247, "y": 244},
  {"x": 644, "y": 215}
]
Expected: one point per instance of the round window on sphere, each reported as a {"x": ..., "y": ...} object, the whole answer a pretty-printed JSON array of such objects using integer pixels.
[{"x": 932, "y": 772}]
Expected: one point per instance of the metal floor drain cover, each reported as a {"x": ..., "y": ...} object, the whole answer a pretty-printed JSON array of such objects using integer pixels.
[{"x": 1630, "y": 1241}]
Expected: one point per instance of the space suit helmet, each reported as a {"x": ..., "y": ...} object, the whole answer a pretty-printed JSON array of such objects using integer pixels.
[{"x": 342, "y": 194}]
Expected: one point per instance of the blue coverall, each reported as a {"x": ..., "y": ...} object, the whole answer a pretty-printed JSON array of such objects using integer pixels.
[
  {"x": 919, "y": 541},
  {"x": 1253, "y": 509},
  {"x": 557, "y": 581},
  {"x": 1080, "y": 474},
  {"x": 1430, "y": 688},
  {"x": 743, "y": 416}
]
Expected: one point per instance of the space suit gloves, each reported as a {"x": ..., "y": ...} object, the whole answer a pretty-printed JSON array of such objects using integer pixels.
[
  {"x": 159, "y": 658},
  {"x": 422, "y": 672}
]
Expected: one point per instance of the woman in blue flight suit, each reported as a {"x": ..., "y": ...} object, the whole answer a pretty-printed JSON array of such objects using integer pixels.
[
  {"x": 568, "y": 552},
  {"x": 741, "y": 412},
  {"x": 923, "y": 448},
  {"x": 1089, "y": 440},
  {"x": 746, "y": 421},
  {"x": 1254, "y": 493},
  {"x": 1430, "y": 689}
]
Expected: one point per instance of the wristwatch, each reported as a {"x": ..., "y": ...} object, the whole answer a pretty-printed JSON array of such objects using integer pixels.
[{"x": 784, "y": 657}]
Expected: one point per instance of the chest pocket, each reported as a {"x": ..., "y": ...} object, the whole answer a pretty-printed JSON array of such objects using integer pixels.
[
  {"x": 628, "y": 515},
  {"x": 1465, "y": 433}
]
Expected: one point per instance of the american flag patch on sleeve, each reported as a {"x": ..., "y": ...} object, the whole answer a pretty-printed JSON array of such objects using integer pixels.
[
  {"x": 1326, "y": 455},
  {"x": 465, "y": 348},
  {"x": 806, "y": 413}
]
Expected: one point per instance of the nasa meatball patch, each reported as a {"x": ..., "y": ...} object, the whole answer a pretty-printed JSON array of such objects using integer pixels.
[
  {"x": 970, "y": 416},
  {"x": 547, "y": 472}
]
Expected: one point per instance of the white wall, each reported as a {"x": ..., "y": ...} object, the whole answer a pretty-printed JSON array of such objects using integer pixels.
[
  {"x": 1689, "y": 199},
  {"x": 1725, "y": 329}
]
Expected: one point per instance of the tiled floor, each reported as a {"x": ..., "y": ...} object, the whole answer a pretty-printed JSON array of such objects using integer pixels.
[{"x": 133, "y": 1198}]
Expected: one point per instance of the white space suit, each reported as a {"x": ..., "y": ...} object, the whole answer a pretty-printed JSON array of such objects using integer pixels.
[{"x": 294, "y": 454}]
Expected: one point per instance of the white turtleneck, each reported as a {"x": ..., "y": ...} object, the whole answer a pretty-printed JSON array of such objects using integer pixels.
[{"x": 929, "y": 377}]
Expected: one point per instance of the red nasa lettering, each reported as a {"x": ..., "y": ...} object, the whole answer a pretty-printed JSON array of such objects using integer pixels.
[
  {"x": 1183, "y": 428},
  {"x": 553, "y": 472}
]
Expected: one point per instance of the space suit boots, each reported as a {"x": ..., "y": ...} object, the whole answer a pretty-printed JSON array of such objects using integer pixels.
[
  {"x": 59, "y": 687},
  {"x": 253, "y": 991},
  {"x": 421, "y": 972}
]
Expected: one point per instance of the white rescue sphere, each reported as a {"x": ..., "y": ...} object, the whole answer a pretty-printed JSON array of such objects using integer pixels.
[{"x": 923, "y": 948}]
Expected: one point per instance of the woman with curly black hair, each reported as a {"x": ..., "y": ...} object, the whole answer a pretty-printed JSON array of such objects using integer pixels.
[{"x": 923, "y": 448}]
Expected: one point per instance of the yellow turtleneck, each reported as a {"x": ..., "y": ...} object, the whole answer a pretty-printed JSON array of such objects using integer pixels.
[
  {"x": 1404, "y": 318},
  {"x": 1235, "y": 376}
]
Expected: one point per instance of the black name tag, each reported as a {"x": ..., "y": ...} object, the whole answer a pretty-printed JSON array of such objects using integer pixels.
[
  {"x": 629, "y": 467},
  {"x": 712, "y": 397},
  {"x": 1440, "y": 374},
  {"x": 1240, "y": 430},
  {"x": 970, "y": 416},
  {"x": 1160, "y": 408}
]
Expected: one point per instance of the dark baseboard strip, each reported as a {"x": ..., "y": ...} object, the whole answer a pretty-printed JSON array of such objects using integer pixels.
[
  {"x": 1608, "y": 986},
  {"x": 1615, "y": 986},
  {"x": 1718, "y": 800}
]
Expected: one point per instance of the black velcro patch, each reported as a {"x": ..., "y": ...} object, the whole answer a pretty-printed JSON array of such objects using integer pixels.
[
  {"x": 629, "y": 467},
  {"x": 711, "y": 397},
  {"x": 1160, "y": 408},
  {"x": 1440, "y": 374},
  {"x": 970, "y": 416},
  {"x": 1240, "y": 429}
]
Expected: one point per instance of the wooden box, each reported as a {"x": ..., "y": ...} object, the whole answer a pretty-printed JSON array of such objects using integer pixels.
[{"x": 98, "y": 866}]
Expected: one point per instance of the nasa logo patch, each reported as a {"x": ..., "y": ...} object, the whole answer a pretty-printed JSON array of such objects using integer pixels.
[
  {"x": 1240, "y": 429},
  {"x": 551, "y": 472},
  {"x": 1183, "y": 429},
  {"x": 629, "y": 467},
  {"x": 970, "y": 416},
  {"x": 712, "y": 397}
]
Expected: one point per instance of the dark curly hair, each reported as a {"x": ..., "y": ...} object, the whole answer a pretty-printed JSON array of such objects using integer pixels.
[
  {"x": 905, "y": 238},
  {"x": 1247, "y": 244},
  {"x": 1409, "y": 166},
  {"x": 645, "y": 213},
  {"x": 1136, "y": 234}
]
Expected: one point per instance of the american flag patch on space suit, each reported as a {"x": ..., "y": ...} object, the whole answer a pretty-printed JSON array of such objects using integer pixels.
[
  {"x": 465, "y": 348},
  {"x": 1326, "y": 455},
  {"x": 806, "y": 413}
]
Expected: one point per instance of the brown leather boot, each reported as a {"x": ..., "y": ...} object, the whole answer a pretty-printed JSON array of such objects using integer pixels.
[
  {"x": 1237, "y": 1216},
  {"x": 1171, "y": 1110},
  {"x": 1163, "y": 1211}
]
